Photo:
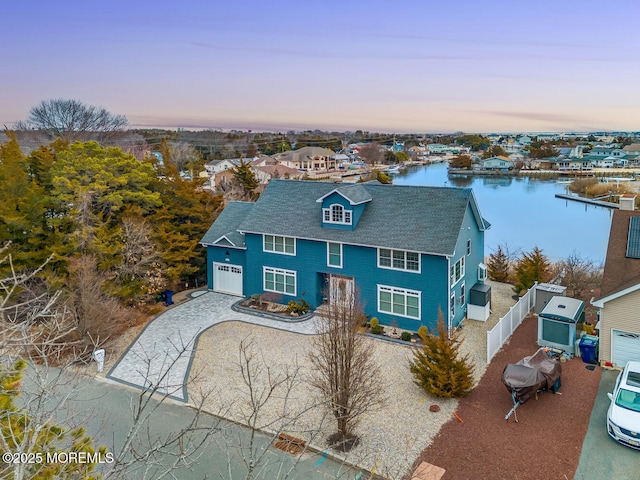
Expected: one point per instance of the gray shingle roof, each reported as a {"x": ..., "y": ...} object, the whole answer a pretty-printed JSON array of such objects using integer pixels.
[
  {"x": 356, "y": 194},
  {"x": 226, "y": 225},
  {"x": 424, "y": 219}
]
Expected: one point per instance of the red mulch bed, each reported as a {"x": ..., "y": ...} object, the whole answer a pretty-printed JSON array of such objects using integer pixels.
[{"x": 547, "y": 441}]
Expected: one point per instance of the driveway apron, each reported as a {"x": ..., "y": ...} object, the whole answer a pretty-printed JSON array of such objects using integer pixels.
[
  {"x": 162, "y": 353},
  {"x": 601, "y": 456}
]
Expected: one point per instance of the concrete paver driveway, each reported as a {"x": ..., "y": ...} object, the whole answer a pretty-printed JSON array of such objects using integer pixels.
[{"x": 162, "y": 353}]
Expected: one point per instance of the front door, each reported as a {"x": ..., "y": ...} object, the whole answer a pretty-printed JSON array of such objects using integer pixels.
[{"x": 340, "y": 289}]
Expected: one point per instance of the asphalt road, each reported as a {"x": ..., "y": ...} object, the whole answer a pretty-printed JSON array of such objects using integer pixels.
[
  {"x": 104, "y": 409},
  {"x": 602, "y": 457}
]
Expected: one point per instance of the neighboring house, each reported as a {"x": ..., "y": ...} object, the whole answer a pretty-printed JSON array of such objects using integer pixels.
[
  {"x": 266, "y": 173},
  {"x": 602, "y": 152},
  {"x": 497, "y": 163},
  {"x": 606, "y": 162},
  {"x": 632, "y": 150},
  {"x": 407, "y": 251},
  {"x": 216, "y": 166},
  {"x": 308, "y": 158},
  {"x": 573, "y": 164},
  {"x": 619, "y": 300},
  {"x": 524, "y": 140}
]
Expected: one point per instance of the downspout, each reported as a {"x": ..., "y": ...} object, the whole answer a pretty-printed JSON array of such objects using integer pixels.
[{"x": 449, "y": 296}]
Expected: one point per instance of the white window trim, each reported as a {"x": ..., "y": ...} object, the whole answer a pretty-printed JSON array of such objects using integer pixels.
[
  {"x": 284, "y": 272},
  {"x": 482, "y": 272},
  {"x": 405, "y": 260},
  {"x": 404, "y": 291},
  {"x": 329, "y": 255},
  {"x": 327, "y": 213},
  {"x": 462, "y": 261},
  {"x": 452, "y": 300},
  {"x": 264, "y": 244},
  {"x": 463, "y": 293},
  {"x": 468, "y": 247}
]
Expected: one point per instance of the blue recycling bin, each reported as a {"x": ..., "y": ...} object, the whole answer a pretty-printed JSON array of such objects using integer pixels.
[
  {"x": 168, "y": 297},
  {"x": 588, "y": 350}
]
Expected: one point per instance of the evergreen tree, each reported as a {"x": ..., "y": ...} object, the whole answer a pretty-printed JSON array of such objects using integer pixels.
[
  {"x": 498, "y": 266},
  {"x": 246, "y": 177},
  {"x": 23, "y": 434},
  {"x": 438, "y": 368},
  {"x": 21, "y": 203},
  {"x": 532, "y": 267},
  {"x": 186, "y": 213}
]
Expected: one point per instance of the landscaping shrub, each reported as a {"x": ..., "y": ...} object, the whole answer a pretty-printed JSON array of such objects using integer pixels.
[
  {"x": 374, "y": 323},
  {"x": 423, "y": 331},
  {"x": 300, "y": 307},
  {"x": 377, "y": 329},
  {"x": 406, "y": 336},
  {"x": 437, "y": 367}
]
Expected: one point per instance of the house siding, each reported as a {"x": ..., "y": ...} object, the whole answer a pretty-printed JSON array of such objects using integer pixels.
[
  {"x": 312, "y": 270},
  {"x": 619, "y": 314},
  {"x": 468, "y": 231}
]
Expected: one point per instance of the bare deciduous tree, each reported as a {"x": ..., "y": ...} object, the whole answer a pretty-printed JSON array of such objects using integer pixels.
[
  {"x": 343, "y": 369},
  {"x": 372, "y": 153},
  {"x": 580, "y": 276},
  {"x": 73, "y": 120}
]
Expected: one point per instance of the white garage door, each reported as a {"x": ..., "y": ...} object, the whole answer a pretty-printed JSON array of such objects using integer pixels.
[
  {"x": 227, "y": 278},
  {"x": 625, "y": 346}
]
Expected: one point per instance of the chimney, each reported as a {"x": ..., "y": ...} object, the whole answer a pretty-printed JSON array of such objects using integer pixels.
[{"x": 627, "y": 201}]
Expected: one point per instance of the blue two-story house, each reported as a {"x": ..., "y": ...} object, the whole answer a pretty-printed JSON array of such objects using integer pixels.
[{"x": 406, "y": 251}]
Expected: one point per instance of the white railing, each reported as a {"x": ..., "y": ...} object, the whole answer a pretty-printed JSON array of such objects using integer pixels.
[{"x": 507, "y": 324}]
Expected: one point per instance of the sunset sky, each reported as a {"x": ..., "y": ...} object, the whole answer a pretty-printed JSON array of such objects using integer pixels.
[{"x": 401, "y": 66}]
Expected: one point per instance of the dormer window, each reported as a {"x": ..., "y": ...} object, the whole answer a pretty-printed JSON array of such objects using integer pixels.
[{"x": 337, "y": 214}]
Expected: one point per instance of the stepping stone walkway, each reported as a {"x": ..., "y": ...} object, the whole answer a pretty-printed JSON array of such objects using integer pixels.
[{"x": 162, "y": 353}]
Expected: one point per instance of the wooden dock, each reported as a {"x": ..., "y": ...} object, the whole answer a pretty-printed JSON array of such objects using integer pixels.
[{"x": 598, "y": 203}]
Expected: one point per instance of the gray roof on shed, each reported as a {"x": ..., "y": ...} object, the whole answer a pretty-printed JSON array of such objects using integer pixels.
[
  {"x": 424, "y": 219},
  {"x": 226, "y": 225}
]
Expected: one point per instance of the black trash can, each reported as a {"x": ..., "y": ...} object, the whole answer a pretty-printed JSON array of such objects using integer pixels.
[
  {"x": 588, "y": 349},
  {"x": 168, "y": 297}
]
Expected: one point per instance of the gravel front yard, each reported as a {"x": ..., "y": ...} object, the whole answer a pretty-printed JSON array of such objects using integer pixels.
[{"x": 391, "y": 438}]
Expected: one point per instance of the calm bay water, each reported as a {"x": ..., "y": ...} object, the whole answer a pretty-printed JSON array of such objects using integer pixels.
[{"x": 524, "y": 213}]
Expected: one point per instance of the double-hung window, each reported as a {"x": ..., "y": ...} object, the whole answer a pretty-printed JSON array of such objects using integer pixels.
[
  {"x": 399, "y": 301},
  {"x": 279, "y": 280},
  {"x": 399, "y": 260},
  {"x": 457, "y": 271},
  {"x": 334, "y": 254},
  {"x": 278, "y": 244}
]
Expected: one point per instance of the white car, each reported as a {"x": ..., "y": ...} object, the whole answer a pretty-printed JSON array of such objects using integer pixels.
[{"x": 623, "y": 417}]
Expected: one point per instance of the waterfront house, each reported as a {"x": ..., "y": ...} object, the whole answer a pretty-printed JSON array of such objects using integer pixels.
[
  {"x": 497, "y": 163},
  {"x": 406, "y": 251},
  {"x": 573, "y": 164},
  {"x": 619, "y": 300},
  {"x": 308, "y": 158}
]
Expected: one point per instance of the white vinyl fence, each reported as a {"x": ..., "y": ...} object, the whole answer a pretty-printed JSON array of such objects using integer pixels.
[{"x": 507, "y": 324}]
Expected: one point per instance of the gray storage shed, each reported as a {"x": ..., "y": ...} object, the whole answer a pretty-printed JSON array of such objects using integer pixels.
[
  {"x": 545, "y": 292},
  {"x": 557, "y": 323}
]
